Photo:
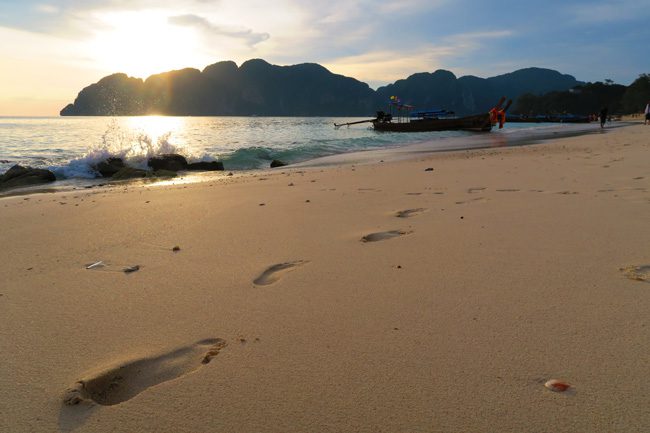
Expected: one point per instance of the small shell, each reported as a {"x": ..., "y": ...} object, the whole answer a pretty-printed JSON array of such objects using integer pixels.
[{"x": 557, "y": 385}]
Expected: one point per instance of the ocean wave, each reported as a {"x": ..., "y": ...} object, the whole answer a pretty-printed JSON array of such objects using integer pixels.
[
  {"x": 72, "y": 147},
  {"x": 134, "y": 147}
]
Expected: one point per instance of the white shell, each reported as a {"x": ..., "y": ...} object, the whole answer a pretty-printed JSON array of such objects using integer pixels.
[{"x": 557, "y": 385}]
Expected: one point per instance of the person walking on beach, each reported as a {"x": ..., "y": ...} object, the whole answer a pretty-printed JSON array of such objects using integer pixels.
[
  {"x": 603, "y": 117},
  {"x": 647, "y": 114}
]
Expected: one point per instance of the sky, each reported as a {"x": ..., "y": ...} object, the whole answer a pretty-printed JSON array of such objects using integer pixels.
[{"x": 50, "y": 50}]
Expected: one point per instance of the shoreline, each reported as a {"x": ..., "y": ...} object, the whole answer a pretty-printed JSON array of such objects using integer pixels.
[
  {"x": 396, "y": 152},
  {"x": 437, "y": 293}
]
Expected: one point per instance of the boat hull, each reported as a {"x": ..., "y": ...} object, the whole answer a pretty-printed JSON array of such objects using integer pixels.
[{"x": 477, "y": 123}]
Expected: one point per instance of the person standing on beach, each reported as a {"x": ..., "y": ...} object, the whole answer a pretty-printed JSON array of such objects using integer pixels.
[
  {"x": 647, "y": 114},
  {"x": 603, "y": 117}
]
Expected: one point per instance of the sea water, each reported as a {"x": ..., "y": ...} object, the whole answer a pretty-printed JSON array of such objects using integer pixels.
[{"x": 72, "y": 146}]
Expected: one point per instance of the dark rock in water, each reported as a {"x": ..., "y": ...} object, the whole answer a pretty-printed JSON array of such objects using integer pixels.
[
  {"x": 171, "y": 162},
  {"x": 4, "y": 161},
  {"x": 277, "y": 163},
  {"x": 137, "y": 173},
  {"x": 24, "y": 176},
  {"x": 162, "y": 173},
  {"x": 109, "y": 167},
  {"x": 130, "y": 173},
  {"x": 206, "y": 166}
]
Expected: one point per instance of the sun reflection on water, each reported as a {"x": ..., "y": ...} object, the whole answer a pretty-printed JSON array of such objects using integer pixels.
[{"x": 156, "y": 127}]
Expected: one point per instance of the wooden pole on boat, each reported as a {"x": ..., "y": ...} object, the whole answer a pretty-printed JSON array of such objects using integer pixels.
[{"x": 337, "y": 126}]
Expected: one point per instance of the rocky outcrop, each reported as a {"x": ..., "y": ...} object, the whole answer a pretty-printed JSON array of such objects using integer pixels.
[
  {"x": 138, "y": 173},
  {"x": 162, "y": 166},
  {"x": 109, "y": 167},
  {"x": 259, "y": 88},
  {"x": 129, "y": 173},
  {"x": 171, "y": 162},
  {"x": 277, "y": 163},
  {"x": 206, "y": 166},
  {"x": 18, "y": 176}
]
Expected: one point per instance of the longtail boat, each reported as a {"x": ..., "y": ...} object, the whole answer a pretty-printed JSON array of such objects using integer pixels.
[
  {"x": 401, "y": 118},
  {"x": 476, "y": 123}
]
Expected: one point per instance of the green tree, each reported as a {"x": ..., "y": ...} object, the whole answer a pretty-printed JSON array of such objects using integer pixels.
[{"x": 637, "y": 95}]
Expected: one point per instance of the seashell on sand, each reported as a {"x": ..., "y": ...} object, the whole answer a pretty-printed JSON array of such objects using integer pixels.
[{"x": 557, "y": 385}]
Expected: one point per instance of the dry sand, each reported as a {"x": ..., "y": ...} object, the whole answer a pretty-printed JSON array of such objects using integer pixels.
[{"x": 378, "y": 298}]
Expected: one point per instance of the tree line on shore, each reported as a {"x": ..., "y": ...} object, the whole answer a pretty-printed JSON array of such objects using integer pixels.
[{"x": 589, "y": 98}]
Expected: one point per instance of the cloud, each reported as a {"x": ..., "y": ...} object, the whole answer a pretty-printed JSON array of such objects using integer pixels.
[
  {"x": 383, "y": 66},
  {"x": 190, "y": 20},
  {"x": 46, "y": 8},
  {"x": 611, "y": 11}
]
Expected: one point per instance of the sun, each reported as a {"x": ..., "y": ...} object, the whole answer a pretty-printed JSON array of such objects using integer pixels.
[{"x": 142, "y": 43}]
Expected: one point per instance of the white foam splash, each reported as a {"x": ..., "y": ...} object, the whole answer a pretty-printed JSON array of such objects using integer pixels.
[{"x": 132, "y": 146}]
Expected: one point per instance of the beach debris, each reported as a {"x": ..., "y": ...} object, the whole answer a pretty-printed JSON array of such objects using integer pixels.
[
  {"x": 307, "y": 201},
  {"x": 176, "y": 249},
  {"x": 230, "y": 173},
  {"x": 131, "y": 269},
  {"x": 99, "y": 264},
  {"x": 428, "y": 169},
  {"x": 557, "y": 385},
  {"x": 637, "y": 273},
  {"x": 291, "y": 184},
  {"x": 262, "y": 204}
]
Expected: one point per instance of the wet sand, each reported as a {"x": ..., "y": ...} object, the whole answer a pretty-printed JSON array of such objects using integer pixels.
[{"x": 435, "y": 293}]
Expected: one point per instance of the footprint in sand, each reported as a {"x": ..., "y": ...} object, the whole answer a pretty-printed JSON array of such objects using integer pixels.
[
  {"x": 478, "y": 199},
  {"x": 507, "y": 190},
  {"x": 476, "y": 189},
  {"x": 120, "y": 383},
  {"x": 273, "y": 273},
  {"x": 407, "y": 213},
  {"x": 638, "y": 273},
  {"x": 381, "y": 236}
]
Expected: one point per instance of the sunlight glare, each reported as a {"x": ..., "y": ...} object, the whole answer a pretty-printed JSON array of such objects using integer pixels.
[
  {"x": 156, "y": 127},
  {"x": 142, "y": 43}
]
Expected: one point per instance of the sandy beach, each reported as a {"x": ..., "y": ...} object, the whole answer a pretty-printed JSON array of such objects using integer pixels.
[{"x": 437, "y": 293}]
